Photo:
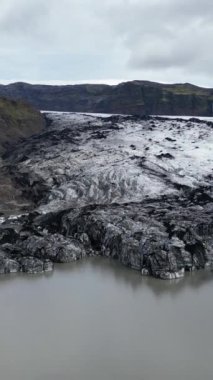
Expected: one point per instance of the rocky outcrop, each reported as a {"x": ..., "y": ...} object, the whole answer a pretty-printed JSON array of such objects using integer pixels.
[
  {"x": 136, "y": 97},
  {"x": 137, "y": 189}
]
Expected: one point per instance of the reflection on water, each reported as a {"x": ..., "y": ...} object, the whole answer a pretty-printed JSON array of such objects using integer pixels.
[
  {"x": 135, "y": 280},
  {"x": 96, "y": 320}
]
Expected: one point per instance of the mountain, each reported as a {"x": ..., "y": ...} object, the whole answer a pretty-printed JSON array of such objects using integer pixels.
[{"x": 136, "y": 97}]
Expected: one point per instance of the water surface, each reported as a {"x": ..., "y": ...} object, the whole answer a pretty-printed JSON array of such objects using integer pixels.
[{"x": 96, "y": 320}]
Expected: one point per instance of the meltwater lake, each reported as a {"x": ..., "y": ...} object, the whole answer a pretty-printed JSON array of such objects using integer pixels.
[{"x": 96, "y": 320}]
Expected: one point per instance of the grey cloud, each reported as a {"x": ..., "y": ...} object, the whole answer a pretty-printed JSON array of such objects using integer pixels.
[
  {"x": 165, "y": 34},
  {"x": 26, "y": 17},
  {"x": 79, "y": 39}
]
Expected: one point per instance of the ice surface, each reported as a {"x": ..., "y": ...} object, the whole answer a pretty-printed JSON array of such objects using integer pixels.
[{"x": 119, "y": 159}]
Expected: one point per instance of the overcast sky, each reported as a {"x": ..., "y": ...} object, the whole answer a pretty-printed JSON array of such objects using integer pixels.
[{"x": 109, "y": 41}]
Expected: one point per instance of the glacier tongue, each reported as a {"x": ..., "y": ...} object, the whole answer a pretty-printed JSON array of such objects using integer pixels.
[{"x": 135, "y": 188}]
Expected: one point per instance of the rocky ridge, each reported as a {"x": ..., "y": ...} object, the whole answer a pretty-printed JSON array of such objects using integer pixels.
[{"x": 138, "y": 189}]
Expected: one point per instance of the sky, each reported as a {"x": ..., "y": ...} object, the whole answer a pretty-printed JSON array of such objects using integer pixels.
[{"x": 110, "y": 41}]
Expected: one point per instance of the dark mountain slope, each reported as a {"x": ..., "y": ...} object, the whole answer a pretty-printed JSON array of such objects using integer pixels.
[
  {"x": 17, "y": 121},
  {"x": 136, "y": 97}
]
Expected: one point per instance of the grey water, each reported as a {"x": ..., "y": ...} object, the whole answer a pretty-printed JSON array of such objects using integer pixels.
[{"x": 96, "y": 320}]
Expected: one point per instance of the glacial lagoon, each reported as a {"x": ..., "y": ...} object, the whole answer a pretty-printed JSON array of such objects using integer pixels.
[{"x": 96, "y": 320}]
